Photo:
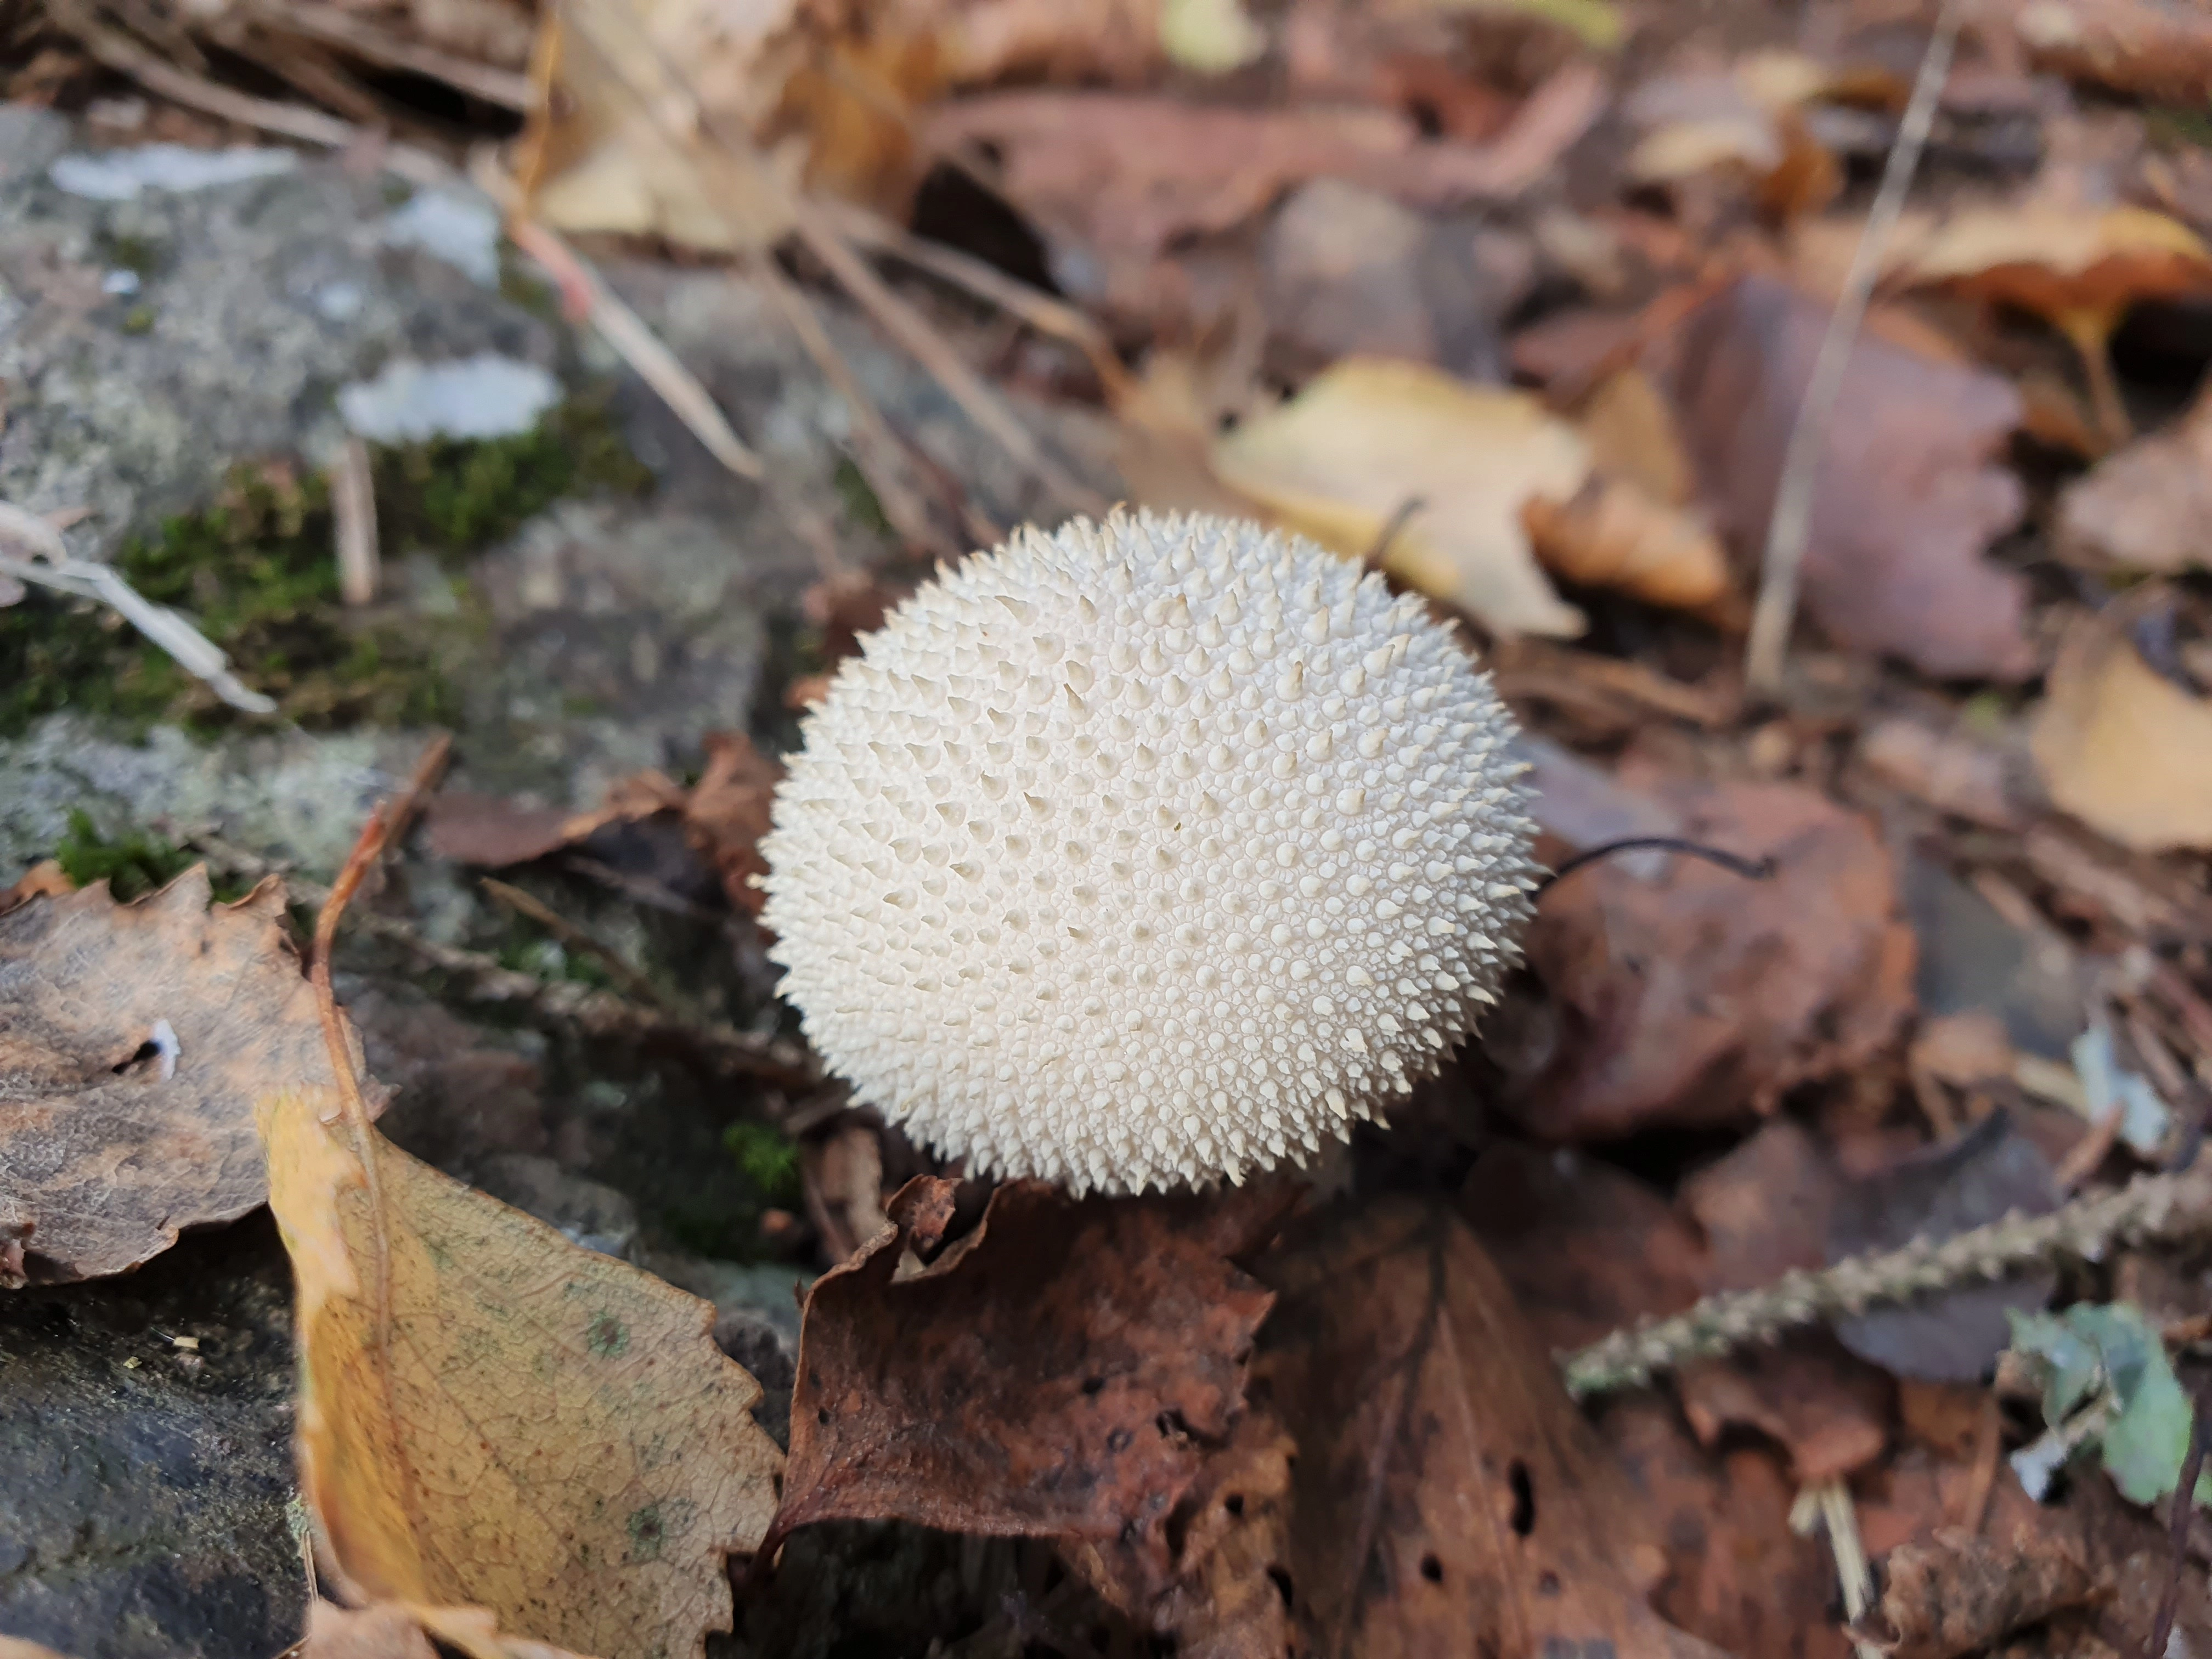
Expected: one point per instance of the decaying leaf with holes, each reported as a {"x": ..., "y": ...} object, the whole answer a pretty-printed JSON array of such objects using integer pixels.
[
  {"x": 499, "y": 1430},
  {"x": 1058, "y": 1372},
  {"x": 134, "y": 1040},
  {"x": 1448, "y": 1496}
]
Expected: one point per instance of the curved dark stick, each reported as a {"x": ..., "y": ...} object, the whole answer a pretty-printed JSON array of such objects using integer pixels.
[{"x": 1734, "y": 863}]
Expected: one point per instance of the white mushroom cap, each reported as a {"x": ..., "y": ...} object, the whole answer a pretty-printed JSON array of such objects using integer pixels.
[{"x": 1148, "y": 853}]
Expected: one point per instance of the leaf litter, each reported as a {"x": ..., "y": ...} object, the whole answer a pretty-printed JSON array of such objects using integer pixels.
[
  {"x": 1325, "y": 236},
  {"x": 134, "y": 1041}
]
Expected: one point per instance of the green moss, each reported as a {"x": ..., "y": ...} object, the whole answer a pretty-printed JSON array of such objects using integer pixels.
[
  {"x": 140, "y": 255},
  {"x": 457, "y": 496},
  {"x": 139, "y": 320},
  {"x": 256, "y": 572},
  {"x": 769, "y": 1159},
  {"x": 859, "y": 498},
  {"x": 138, "y": 863}
]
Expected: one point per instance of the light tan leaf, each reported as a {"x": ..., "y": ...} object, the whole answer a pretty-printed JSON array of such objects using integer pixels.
[
  {"x": 1614, "y": 533},
  {"x": 661, "y": 118},
  {"x": 2147, "y": 507},
  {"x": 107, "y": 1145},
  {"x": 2121, "y": 747},
  {"x": 1338, "y": 460},
  {"x": 2052, "y": 258},
  {"x": 1210, "y": 36},
  {"x": 496, "y": 1424},
  {"x": 1633, "y": 434}
]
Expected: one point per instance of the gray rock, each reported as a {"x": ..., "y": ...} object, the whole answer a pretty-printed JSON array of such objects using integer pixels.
[
  {"x": 256, "y": 302},
  {"x": 147, "y": 1479}
]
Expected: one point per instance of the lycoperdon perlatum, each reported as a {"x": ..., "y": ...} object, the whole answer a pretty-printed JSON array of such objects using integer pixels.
[{"x": 1147, "y": 852}]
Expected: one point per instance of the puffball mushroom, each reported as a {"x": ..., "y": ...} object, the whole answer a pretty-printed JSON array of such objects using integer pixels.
[{"x": 1145, "y": 854}]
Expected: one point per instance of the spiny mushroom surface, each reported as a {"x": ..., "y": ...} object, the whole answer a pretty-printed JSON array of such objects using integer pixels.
[{"x": 1145, "y": 854}]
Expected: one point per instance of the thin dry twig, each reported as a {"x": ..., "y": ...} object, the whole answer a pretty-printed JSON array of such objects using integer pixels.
[
  {"x": 353, "y": 520},
  {"x": 2151, "y": 1207},
  {"x": 119, "y": 51},
  {"x": 905, "y": 510},
  {"x": 551, "y": 1004},
  {"x": 1043, "y": 312},
  {"x": 1791, "y": 522},
  {"x": 334, "y": 26},
  {"x": 51, "y": 566}
]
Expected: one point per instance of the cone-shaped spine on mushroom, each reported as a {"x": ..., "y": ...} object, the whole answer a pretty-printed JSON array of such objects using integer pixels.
[{"x": 1147, "y": 852}]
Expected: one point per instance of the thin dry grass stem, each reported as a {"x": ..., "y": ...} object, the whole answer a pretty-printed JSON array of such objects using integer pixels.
[
  {"x": 929, "y": 348},
  {"x": 639, "y": 346},
  {"x": 816, "y": 232},
  {"x": 1040, "y": 310},
  {"x": 1791, "y": 521},
  {"x": 333, "y": 26},
  {"x": 353, "y": 517},
  {"x": 2150, "y": 1208},
  {"x": 51, "y": 566},
  {"x": 388, "y": 819},
  {"x": 876, "y": 450},
  {"x": 119, "y": 51}
]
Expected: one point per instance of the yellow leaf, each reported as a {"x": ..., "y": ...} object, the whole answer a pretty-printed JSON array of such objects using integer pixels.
[
  {"x": 1614, "y": 533},
  {"x": 496, "y": 1425},
  {"x": 1596, "y": 22},
  {"x": 2123, "y": 748},
  {"x": 1210, "y": 36},
  {"x": 1341, "y": 459}
]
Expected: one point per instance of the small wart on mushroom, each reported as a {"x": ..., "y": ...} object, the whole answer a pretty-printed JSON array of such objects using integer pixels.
[{"x": 1145, "y": 854}]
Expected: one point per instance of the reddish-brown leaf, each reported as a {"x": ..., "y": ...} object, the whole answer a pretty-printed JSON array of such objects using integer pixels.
[
  {"x": 1448, "y": 1498},
  {"x": 1908, "y": 497},
  {"x": 1699, "y": 996},
  {"x": 1058, "y": 1372},
  {"x": 107, "y": 1148},
  {"x": 726, "y": 814}
]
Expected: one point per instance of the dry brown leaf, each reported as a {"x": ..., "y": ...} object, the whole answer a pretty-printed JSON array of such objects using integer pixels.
[
  {"x": 1738, "y": 1576},
  {"x": 1745, "y": 120},
  {"x": 2120, "y": 746},
  {"x": 643, "y": 100},
  {"x": 13, "y": 1648},
  {"x": 726, "y": 814},
  {"x": 1124, "y": 176},
  {"x": 1958, "y": 1592},
  {"x": 1339, "y": 461},
  {"x": 495, "y": 833},
  {"x": 2054, "y": 260},
  {"x": 44, "y": 879},
  {"x": 1448, "y": 1498},
  {"x": 1058, "y": 1372},
  {"x": 107, "y": 1148},
  {"x": 498, "y": 1425},
  {"x": 1700, "y": 996},
  {"x": 1230, "y": 1544},
  {"x": 1909, "y": 495},
  {"x": 1633, "y": 434},
  {"x": 1614, "y": 533},
  {"x": 2153, "y": 50},
  {"x": 1954, "y": 771},
  {"x": 2080, "y": 268},
  {"x": 2145, "y": 506},
  {"x": 1587, "y": 1248}
]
